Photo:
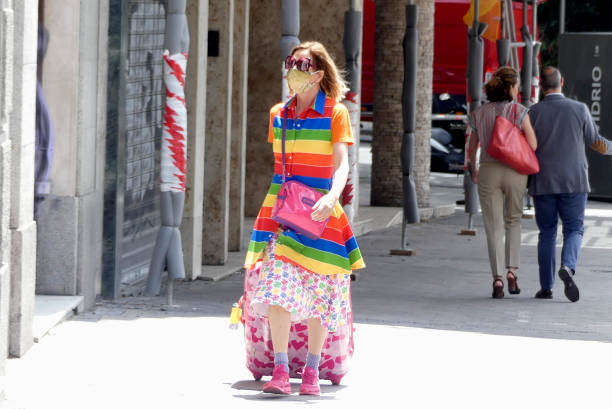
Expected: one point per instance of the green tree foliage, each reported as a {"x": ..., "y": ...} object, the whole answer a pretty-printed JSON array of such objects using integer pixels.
[{"x": 580, "y": 16}]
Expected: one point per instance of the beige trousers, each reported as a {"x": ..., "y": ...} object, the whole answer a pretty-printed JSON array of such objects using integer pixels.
[{"x": 501, "y": 190}]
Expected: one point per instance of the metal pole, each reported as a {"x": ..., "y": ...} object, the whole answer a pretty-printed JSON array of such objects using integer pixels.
[
  {"x": 503, "y": 18},
  {"x": 562, "y": 17},
  {"x": 170, "y": 300},
  {"x": 474, "y": 89},
  {"x": 512, "y": 30},
  {"x": 534, "y": 25},
  {"x": 411, "y": 41},
  {"x": 503, "y": 44},
  {"x": 410, "y": 46},
  {"x": 168, "y": 250},
  {"x": 536, "y": 61},
  {"x": 291, "y": 30},
  {"x": 527, "y": 68},
  {"x": 352, "y": 51}
]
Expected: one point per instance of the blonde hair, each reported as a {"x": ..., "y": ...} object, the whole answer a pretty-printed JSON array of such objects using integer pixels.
[{"x": 333, "y": 83}]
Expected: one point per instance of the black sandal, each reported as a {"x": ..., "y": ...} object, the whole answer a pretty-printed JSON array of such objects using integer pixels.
[
  {"x": 498, "y": 291},
  {"x": 513, "y": 287}
]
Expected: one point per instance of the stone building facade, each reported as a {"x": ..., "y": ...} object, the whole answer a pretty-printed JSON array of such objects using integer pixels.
[
  {"x": 74, "y": 72},
  {"x": 18, "y": 33},
  {"x": 6, "y": 81},
  {"x": 233, "y": 78}
]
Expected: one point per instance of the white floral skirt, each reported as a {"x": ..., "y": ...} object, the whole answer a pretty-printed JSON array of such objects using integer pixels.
[{"x": 304, "y": 294}]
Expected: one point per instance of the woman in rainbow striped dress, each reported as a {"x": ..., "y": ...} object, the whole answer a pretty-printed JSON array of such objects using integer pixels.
[{"x": 300, "y": 278}]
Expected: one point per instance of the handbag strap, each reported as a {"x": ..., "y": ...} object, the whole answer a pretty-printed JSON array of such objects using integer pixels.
[
  {"x": 284, "y": 137},
  {"x": 514, "y": 110},
  {"x": 511, "y": 115}
]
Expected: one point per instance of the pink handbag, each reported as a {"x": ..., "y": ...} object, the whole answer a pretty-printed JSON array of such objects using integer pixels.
[{"x": 294, "y": 202}]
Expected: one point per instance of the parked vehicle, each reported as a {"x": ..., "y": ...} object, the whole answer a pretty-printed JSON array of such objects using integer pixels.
[{"x": 448, "y": 133}]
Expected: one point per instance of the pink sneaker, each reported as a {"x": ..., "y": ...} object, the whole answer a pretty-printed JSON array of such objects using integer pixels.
[
  {"x": 279, "y": 383},
  {"x": 310, "y": 382}
]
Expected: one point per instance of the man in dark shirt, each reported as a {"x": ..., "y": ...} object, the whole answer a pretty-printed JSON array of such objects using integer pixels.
[{"x": 563, "y": 128}]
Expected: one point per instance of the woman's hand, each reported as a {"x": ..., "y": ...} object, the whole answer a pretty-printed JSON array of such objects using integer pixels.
[{"x": 324, "y": 207}]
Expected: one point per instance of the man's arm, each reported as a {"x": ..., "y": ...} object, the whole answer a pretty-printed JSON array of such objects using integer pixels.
[
  {"x": 592, "y": 138},
  {"x": 602, "y": 145}
]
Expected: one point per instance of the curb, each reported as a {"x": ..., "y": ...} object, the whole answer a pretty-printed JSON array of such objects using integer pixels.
[
  {"x": 360, "y": 228},
  {"x": 425, "y": 214}
]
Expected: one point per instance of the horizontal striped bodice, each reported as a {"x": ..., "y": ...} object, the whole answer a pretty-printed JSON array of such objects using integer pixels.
[{"x": 309, "y": 159}]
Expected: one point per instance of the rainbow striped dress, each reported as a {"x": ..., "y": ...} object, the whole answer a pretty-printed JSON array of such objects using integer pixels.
[{"x": 309, "y": 159}]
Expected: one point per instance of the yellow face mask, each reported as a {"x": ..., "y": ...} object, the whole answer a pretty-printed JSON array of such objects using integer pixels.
[{"x": 299, "y": 81}]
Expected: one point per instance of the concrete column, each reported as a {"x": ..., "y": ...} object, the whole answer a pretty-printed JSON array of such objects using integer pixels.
[
  {"x": 239, "y": 110},
  {"x": 57, "y": 218},
  {"x": 422, "y": 132},
  {"x": 264, "y": 91},
  {"x": 91, "y": 144},
  {"x": 195, "y": 94},
  {"x": 6, "y": 80},
  {"x": 386, "y": 145},
  {"x": 96, "y": 203},
  {"x": 22, "y": 225},
  {"x": 387, "y": 121},
  {"x": 70, "y": 220},
  {"x": 5, "y": 197},
  {"x": 326, "y": 24},
  {"x": 218, "y": 125}
]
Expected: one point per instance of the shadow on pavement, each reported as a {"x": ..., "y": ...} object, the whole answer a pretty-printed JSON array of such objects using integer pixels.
[{"x": 327, "y": 392}]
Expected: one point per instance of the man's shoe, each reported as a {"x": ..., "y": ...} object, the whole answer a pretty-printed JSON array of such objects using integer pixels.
[
  {"x": 310, "y": 382},
  {"x": 279, "y": 384},
  {"x": 571, "y": 290},
  {"x": 544, "y": 294}
]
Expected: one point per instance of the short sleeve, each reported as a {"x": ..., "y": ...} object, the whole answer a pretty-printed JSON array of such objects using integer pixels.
[
  {"x": 341, "y": 129},
  {"x": 521, "y": 111},
  {"x": 472, "y": 122},
  {"x": 273, "y": 112}
]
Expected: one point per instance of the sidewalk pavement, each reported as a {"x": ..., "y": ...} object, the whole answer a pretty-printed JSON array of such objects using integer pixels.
[{"x": 428, "y": 335}]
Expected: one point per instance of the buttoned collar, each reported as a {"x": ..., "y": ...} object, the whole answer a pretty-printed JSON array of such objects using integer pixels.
[{"x": 318, "y": 104}]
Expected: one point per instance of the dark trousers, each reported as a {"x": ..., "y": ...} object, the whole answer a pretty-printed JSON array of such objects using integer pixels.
[{"x": 548, "y": 208}]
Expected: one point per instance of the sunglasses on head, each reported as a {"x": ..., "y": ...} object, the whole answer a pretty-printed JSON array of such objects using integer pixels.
[{"x": 302, "y": 64}]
